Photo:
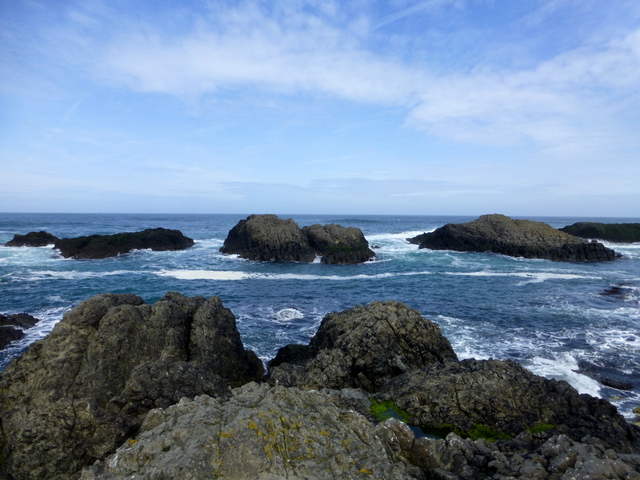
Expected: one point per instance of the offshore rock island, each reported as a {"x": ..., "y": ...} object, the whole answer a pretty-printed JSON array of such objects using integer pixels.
[
  {"x": 123, "y": 389},
  {"x": 270, "y": 238},
  {"x": 516, "y": 238}
]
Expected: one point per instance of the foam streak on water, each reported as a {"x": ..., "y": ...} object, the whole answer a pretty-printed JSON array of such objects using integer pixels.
[{"x": 566, "y": 321}]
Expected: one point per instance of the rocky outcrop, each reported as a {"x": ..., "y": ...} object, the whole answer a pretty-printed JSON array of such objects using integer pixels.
[
  {"x": 338, "y": 245},
  {"x": 362, "y": 347},
  {"x": 503, "y": 399},
  {"x": 74, "y": 396},
  {"x": 516, "y": 238},
  {"x": 103, "y": 246},
  {"x": 12, "y": 327},
  {"x": 270, "y": 238},
  {"x": 32, "y": 239},
  {"x": 610, "y": 232},
  {"x": 261, "y": 432},
  {"x": 122, "y": 389}
]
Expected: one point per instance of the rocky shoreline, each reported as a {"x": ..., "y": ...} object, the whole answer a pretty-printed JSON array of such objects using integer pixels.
[{"x": 123, "y": 389}]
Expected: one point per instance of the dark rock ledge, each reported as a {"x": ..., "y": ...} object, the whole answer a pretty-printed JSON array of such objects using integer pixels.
[
  {"x": 102, "y": 246},
  {"x": 270, "y": 238},
  {"x": 517, "y": 238},
  {"x": 32, "y": 239},
  {"x": 610, "y": 232},
  {"x": 122, "y": 389},
  {"x": 12, "y": 327}
]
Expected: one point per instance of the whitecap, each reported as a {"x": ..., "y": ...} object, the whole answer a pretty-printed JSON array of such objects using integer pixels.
[
  {"x": 564, "y": 366},
  {"x": 205, "y": 274},
  {"x": 287, "y": 314}
]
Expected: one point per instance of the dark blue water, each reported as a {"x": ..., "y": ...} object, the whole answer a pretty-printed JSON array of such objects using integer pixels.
[{"x": 552, "y": 317}]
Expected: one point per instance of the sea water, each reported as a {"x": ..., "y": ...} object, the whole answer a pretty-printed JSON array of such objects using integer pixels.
[{"x": 557, "y": 319}]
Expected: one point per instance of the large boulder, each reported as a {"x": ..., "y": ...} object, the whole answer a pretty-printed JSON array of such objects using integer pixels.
[
  {"x": 517, "y": 238},
  {"x": 267, "y": 237},
  {"x": 339, "y": 245},
  {"x": 270, "y": 238},
  {"x": 32, "y": 239},
  {"x": 12, "y": 327},
  {"x": 502, "y": 399},
  {"x": 262, "y": 432},
  {"x": 103, "y": 246},
  {"x": 74, "y": 396},
  {"x": 362, "y": 347},
  {"x": 610, "y": 232}
]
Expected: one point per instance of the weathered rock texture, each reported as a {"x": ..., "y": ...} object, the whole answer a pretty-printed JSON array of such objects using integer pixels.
[
  {"x": 362, "y": 347},
  {"x": 32, "y": 239},
  {"x": 339, "y": 245},
  {"x": 505, "y": 397},
  {"x": 262, "y": 433},
  {"x": 102, "y": 246},
  {"x": 74, "y": 396},
  {"x": 516, "y": 238},
  {"x": 269, "y": 238},
  {"x": 12, "y": 327},
  {"x": 610, "y": 232}
]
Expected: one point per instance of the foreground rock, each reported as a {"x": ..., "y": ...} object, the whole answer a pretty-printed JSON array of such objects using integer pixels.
[
  {"x": 261, "y": 432},
  {"x": 610, "y": 232},
  {"x": 32, "y": 239},
  {"x": 103, "y": 246},
  {"x": 12, "y": 327},
  {"x": 73, "y": 397},
  {"x": 269, "y": 238},
  {"x": 516, "y": 238},
  {"x": 362, "y": 347}
]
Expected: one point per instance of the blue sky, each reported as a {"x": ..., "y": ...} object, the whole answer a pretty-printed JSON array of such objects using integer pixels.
[{"x": 464, "y": 107}]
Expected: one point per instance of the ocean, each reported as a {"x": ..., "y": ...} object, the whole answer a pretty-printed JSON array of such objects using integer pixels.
[{"x": 568, "y": 321}]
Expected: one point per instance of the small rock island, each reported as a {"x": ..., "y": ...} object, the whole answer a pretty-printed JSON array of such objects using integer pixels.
[
  {"x": 270, "y": 238},
  {"x": 609, "y": 232},
  {"x": 516, "y": 238}
]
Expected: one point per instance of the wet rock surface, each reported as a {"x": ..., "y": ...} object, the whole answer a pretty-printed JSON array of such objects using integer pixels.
[
  {"x": 12, "y": 327},
  {"x": 517, "y": 238},
  {"x": 32, "y": 239},
  {"x": 611, "y": 232},
  {"x": 270, "y": 238},
  {"x": 103, "y": 246}
]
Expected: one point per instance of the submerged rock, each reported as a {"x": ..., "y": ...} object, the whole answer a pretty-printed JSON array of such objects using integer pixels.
[
  {"x": 362, "y": 347},
  {"x": 516, "y": 238},
  {"x": 103, "y": 246},
  {"x": 610, "y": 232},
  {"x": 32, "y": 239},
  {"x": 74, "y": 396},
  {"x": 269, "y": 238}
]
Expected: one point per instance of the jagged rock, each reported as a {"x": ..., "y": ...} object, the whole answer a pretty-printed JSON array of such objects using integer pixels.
[
  {"x": 12, "y": 327},
  {"x": 267, "y": 237},
  {"x": 502, "y": 398},
  {"x": 74, "y": 396},
  {"x": 339, "y": 245},
  {"x": 32, "y": 239},
  {"x": 610, "y": 232},
  {"x": 261, "y": 432},
  {"x": 362, "y": 347},
  {"x": 103, "y": 246},
  {"x": 516, "y": 238}
]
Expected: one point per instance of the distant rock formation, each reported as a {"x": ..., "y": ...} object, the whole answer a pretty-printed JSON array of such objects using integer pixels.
[
  {"x": 12, "y": 327},
  {"x": 122, "y": 389},
  {"x": 517, "y": 238},
  {"x": 610, "y": 232},
  {"x": 103, "y": 246},
  {"x": 270, "y": 238},
  {"x": 32, "y": 239},
  {"x": 74, "y": 396}
]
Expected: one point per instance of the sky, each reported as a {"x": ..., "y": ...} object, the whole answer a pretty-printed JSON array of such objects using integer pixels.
[{"x": 432, "y": 107}]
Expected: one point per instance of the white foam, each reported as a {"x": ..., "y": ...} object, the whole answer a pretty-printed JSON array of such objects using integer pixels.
[
  {"x": 205, "y": 274},
  {"x": 237, "y": 275},
  {"x": 287, "y": 314},
  {"x": 564, "y": 366},
  {"x": 74, "y": 275},
  {"x": 537, "y": 277}
]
